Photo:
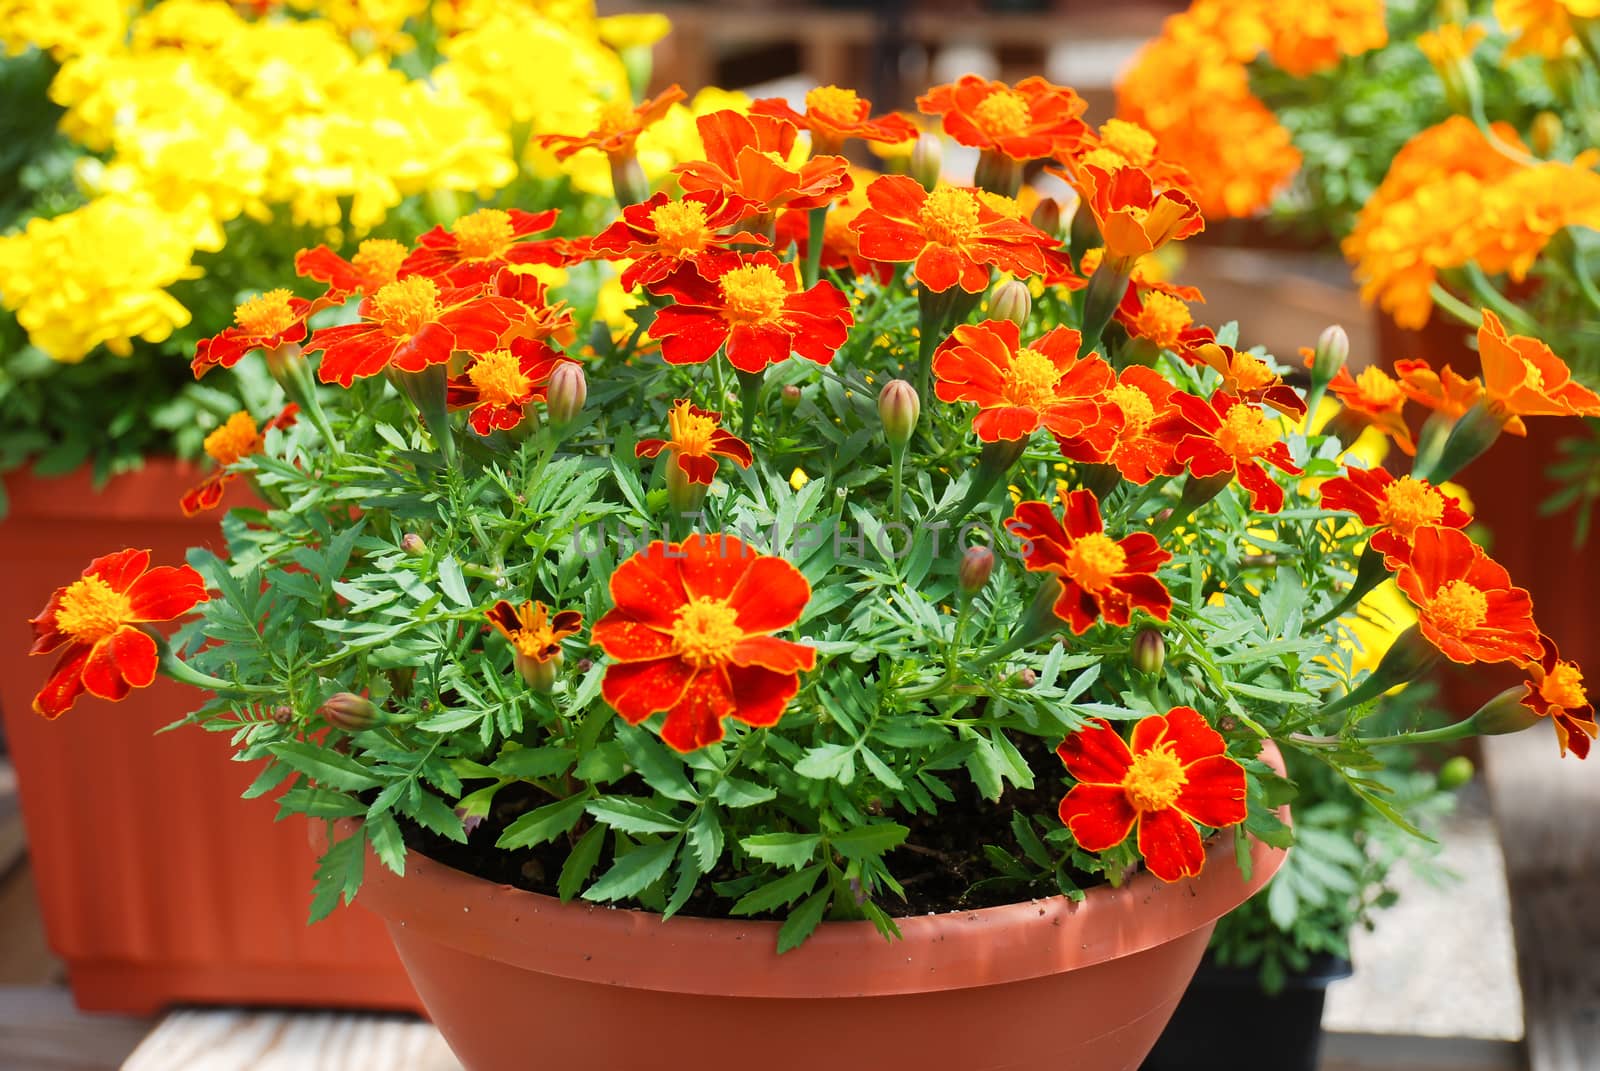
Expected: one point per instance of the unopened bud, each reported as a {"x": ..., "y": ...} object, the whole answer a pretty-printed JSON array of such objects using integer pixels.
[
  {"x": 790, "y": 396},
  {"x": 1410, "y": 656},
  {"x": 350, "y": 712},
  {"x": 1011, "y": 301},
  {"x": 1505, "y": 713},
  {"x": 283, "y": 715},
  {"x": 683, "y": 494},
  {"x": 627, "y": 180},
  {"x": 568, "y": 390},
  {"x": 927, "y": 160},
  {"x": 538, "y": 673},
  {"x": 1545, "y": 135},
  {"x": 1025, "y": 678},
  {"x": 1149, "y": 652},
  {"x": 898, "y": 408},
  {"x": 1456, "y": 772},
  {"x": 1047, "y": 217},
  {"x": 976, "y": 565},
  {"x": 1333, "y": 350},
  {"x": 414, "y": 545}
]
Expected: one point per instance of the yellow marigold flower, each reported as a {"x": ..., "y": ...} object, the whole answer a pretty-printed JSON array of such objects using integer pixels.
[
  {"x": 191, "y": 26},
  {"x": 637, "y": 30},
  {"x": 373, "y": 25},
  {"x": 798, "y": 478},
  {"x": 81, "y": 27},
  {"x": 1542, "y": 27},
  {"x": 97, "y": 275}
]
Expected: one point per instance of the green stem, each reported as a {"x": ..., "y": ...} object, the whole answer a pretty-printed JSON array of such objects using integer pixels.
[
  {"x": 1100, "y": 300},
  {"x": 1455, "y": 306},
  {"x": 1460, "y": 730},
  {"x": 897, "y": 463},
  {"x": 1494, "y": 299},
  {"x": 816, "y": 229},
  {"x": 175, "y": 668},
  {"x": 749, "y": 394},
  {"x": 1370, "y": 572}
]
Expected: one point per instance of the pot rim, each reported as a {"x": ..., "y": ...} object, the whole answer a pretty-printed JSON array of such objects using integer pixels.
[{"x": 738, "y": 958}]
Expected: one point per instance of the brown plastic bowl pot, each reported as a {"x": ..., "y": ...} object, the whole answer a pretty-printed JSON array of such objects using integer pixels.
[{"x": 515, "y": 980}]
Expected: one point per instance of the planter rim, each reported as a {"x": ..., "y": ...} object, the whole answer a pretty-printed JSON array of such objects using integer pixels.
[
  {"x": 148, "y": 493},
  {"x": 738, "y": 958}
]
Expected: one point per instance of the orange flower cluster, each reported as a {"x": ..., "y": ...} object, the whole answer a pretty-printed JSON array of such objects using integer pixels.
[{"x": 1454, "y": 196}]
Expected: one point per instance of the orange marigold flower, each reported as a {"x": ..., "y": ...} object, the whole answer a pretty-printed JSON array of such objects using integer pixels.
[
  {"x": 690, "y": 634},
  {"x": 408, "y": 325},
  {"x": 696, "y": 442},
  {"x": 1543, "y": 27},
  {"x": 1121, "y": 143},
  {"x": 662, "y": 234},
  {"x": 1176, "y": 773},
  {"x": 951, "y": 235},
  {"x": 1020, "y": 389},
  {"x": 532, "y": 317},
  {"x": 1033, "y": 121},
  {"x": 1396, "y": 506},
  {"x": 1162, "y": 320},
  {"x": 500, "y": 384},
  {"x": 1524, "y": 378},
  {"x": 1307, "y": 38},
  {"x": 755, "y": 306},
  {"x": 1247, "y": 377},
  {"x": 1133, "y": 217},
  {"x": 1466, "y": 604},
  {"x": 748, "y": 156},
  {"x": 97, "y": 618},
  {"x": 1229, "y": 435},
  {"x": 236, "y": 438},
  {"x": 1556, "y": 691},
  {"x": 265, "y": 322},
  {"x": 834, "y": 115},
  {"x": 1374, "y": 396},
  {"x": 1147, "y": 441},
  {"x": 377, "y": 261},
  {"x": 616, "y": 127},
  {"x": 1101, "y": 577},
  {"x": 1444, "y": 391},
  {"x": 535, "y": 637},
  {"x": 480, "y": 243}
]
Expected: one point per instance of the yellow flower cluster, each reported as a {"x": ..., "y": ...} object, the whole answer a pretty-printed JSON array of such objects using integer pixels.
[
  {"x": 1542, "y": 27},
  {"x": 62, "y": 29},
  {"x": 1455, "y": 195}
]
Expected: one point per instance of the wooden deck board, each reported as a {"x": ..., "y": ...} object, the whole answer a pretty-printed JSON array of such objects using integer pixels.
[
  {"x": 291, "y": 1041},
  {"x": 41, "y": 1030}
]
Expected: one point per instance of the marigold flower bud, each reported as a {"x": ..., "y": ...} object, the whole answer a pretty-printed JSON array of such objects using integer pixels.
[
  {"x": 898, "y": 408},
  {"x": 414, "y": 545},
  {"x": 628, "y": 181},
  {"x": 791, "y": 396},
  {"x": 539, "y": 674},
  {"x": 927, "y": 160},
  {"x": 1333, "y": 350},
  {"x": 1025, "y": 678},
  {"x": 976, "y": 565},
  {"x": 683, "y": 494},
  {"x": 1047, "y": 217},
  {"x": 1503, "y": 714},
  {"x": 1456, "y": 772},
  {"x": 283, "y": 715},
  {"x": 1011, "y": 301},
  {"x": 350, "y": 712},
  {"x": 1149, "y": 651},
  {"x": 1546, "y": 133},
  {"x": 568, "y": 390}
]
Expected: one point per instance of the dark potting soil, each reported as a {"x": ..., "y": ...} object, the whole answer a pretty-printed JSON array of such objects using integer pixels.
[{"x": 942, "y": 864}]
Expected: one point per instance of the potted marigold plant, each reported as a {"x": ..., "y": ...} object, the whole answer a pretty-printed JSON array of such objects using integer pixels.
[{"x": 629, "y": 690}]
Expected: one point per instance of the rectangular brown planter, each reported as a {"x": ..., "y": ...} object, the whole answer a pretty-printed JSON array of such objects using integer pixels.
[{"x": 157, "y": 883}]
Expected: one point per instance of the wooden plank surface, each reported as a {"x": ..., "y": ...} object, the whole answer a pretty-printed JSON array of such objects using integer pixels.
[
  {"x": 289, "y": 1041},
  {"x": 1548, "y": 812},
  {"x": 40, "y": 1030}
]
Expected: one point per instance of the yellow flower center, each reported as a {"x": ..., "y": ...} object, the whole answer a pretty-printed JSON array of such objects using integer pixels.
[
  {"x": 1154, "y": 780},
  {"x": 833, "y": 105},
  {"x": 534, "y": 636},
  {"x": 1031, "y": 379},
  {"x": 949, "y": 216},
  {"x": 1409, "y": 504},
  {"x": 1377, "y": 389},
  {"x": 1563, "y": 687},
  {"x": 499, "y": 378},
  {"x": 1089, "y": 263},
  {"x": 405, "y": 306},
  {"x": 1107, "y": 160},
  {"x": 378, "y": 261},
  {"x": 484, "y": 233},
  {"x": 1095, "y": 560},
  {"x": 1009, "y": 207},
  {"x": 1163, "y": 319},
  {"x": 1458, "y": 608},
  {"x": 616, "y": 117},
  {"x": 754, "y": 294},
  {"x": 266, "y": 314},
  {"x": 1250, "y": 372},
  {"x": 90, "y": 610},
  {"x": 237, "y": 438},
  {"x": 1137, "y": 409},
  {"x": 1128, "y": 140},
  {"x": 681, "y": 229},
  {"x": 1003, "y": 114},
  {"x": 691, "y": 432},
  {"x": 706, "y": 632},
  {"x": 1245, "y": 433}
]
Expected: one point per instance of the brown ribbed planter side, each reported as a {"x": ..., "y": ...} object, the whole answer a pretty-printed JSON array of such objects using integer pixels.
[{"x": 157, "y": 883}]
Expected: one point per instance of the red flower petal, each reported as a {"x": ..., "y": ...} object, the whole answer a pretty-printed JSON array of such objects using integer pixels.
[
  {"x": 760, "y": 694},
  {"x": 166, "y": 592},
  {"x": 713, "y": 565},
  {"x": 1170, "y": 845},
  {"x": 649, "y": 587},
  {"x": 626, "y": 639},
  {"x": 1214, "y": 794},
  {"x": 65, "y": 683},
  {"x": 1099, "y": 816},
  {"x": 637, "y": 690},
  {"x": 1096, "y": 754},
  {"x": 769, "y": 652},
  {"x": 696, "y": 719}
]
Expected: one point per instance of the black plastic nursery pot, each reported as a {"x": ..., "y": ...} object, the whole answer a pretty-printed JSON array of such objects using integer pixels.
[{"x": 1221, "y": 1001}]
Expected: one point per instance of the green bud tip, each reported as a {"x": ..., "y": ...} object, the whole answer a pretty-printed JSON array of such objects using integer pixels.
[{"x": 898, "y": 408}]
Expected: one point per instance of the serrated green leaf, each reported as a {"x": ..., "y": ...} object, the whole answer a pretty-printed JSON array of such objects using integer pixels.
[
  {"x": 453, "y": 583},
  {"x": 534, "y": 762},
  {"x": 705, "y": 839},
  {"x": 632, "y": 816},
  {"x": 580, "y": 863},
  {"x": 390, "y": 846},
  {"x": 325, "y": 766},
  {"x": 793, "y": 850},
  {"x": 775, "y": 894},
  {"x": 544, "y": 824},
  {"x": 732, "y": 792},
  {"x": 433, "y": 813},
  {"x": 865, "y": 842},
  {"x": 802, "y": 921},
  {"x": 634, "y": 872}
]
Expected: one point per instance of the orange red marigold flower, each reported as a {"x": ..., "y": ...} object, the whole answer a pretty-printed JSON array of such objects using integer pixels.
[
  {"x": 662, "y": 234},
  {"x": 691, "y": 634},
  {"x": 1376, "y": 398},
  {"x": 951, "y": 235},
  {"x": 499, "y": 384},
  {"x": 1228, "y": 435},
  {"x": 834, "y": 115},
  {"x": 535, "y": 637},
  {"x": 1524, "y": 378},
  {"x": 408, "y": 325},
  {"x": 1162, "y": 320},
  {"x": 1134, "y": 218},
  {"x": 1397, "y": 506},
  {"x": 617, "y": 126},
  {"x": 376, "y": 262},
  {"x": 525, "y": 302},
  {"x": 1020, "y": 389},
  {"x": 696, "y": 442},
  {"x": 748, "y": 156},
  {"x": 755, "y": 306},
  {"x": 1175, "y": 773},
  {"x": 480, "y": 243},
  {"x": 1034, "y": 120},
  {"x": 97, "y": 619},
  {"x": 1466, "y": 604},
  {"x": 1556, "y": 691},
  {"x": 265, "y": 322},
  {"x": 237, "y": 437},
  {"x": 1444, "y": 391},
  {"x": 1148, "y": 437},
  {"x": 1101, "y": 578},
  {"x": 1247, "y": 377}
]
